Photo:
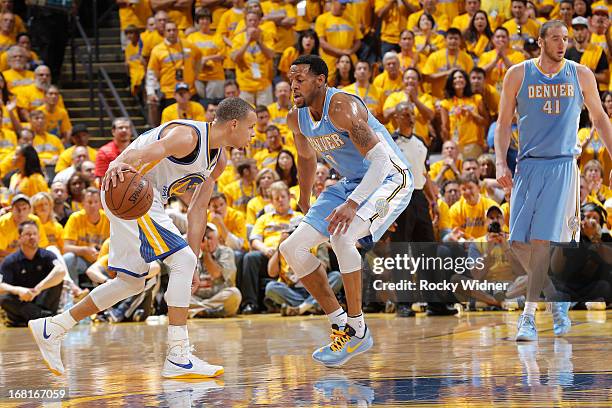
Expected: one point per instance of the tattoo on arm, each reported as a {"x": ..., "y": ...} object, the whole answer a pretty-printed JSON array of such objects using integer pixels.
[{"x": 361, "y": 134}]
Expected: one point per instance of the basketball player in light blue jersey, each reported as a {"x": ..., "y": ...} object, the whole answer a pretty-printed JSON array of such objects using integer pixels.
[
  {"x": 548, "y": 94},
  {"x": 376, "y": 188}
]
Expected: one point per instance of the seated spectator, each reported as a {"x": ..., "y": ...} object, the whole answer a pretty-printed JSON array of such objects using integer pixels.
[
  {"x": 279, "y": 111},
  {"x": 7, "y": 24},
  {"x": 231, "y": 89},
  {"x": 390, "y": 80},
  {"x": 10, "y": 112},
  {"x": 88, "y": 170},
  {"x": 216, "y": 295},
  {"x": 258, "y": 141},
  {"x": 21, "y": 210},
  {"x": 48, "y": 146},
  {"x": 7, "y": 166},
  {"x": 345, "y": 72},
  {"x": 262, "y": 202},
  {"x": 497, "y": 61},
  {"x": 236, "y": 155},
  {"x": 449, "y": 168},
  {"x": 264, "y": 239},
  {"x": 184, "y": 108},
  {"x": 58, "y": 121},
  {"x": 98, "y": 271},
  {"x": 593, "y": 173},
  {"x": 8, "y": 142},
  {"x": 211, "y": 111},
  {"x": 469, "y": 213},
  {"x": 33, "y": 96},
  {"x": 133, "y": 59},
  {"x": 79, "y": 155},
  {"x": 79, "y": 136},
  {"x": 274, "y": 144},
  {"x": 593, "y": 218},
  {"x": 18, "y": 76},
  {"x": 463, "y": 115},
  {"x": 306, "y": 44},
  {"x": 239, "y": 192},
  {"x": 84, "y": 235},
  {"x": 29, "y": 178},
  {"x": 362, "y": 87},
  {"x": 76, "y": 191},
  {"x": 61, "y": 208},
  {"x": 490, "y": 95},
  {"x": 42, "y": 207},
  {"x": 24, "y": 41},
  {"x": 231, "y": 227},
  {"x": 286, "y": 169},
  {"x": 449, "y": 195},
  {"x": 122, "y": 136},
  {"x": 6, "y": 6},
  {"x": 489, "y": 187},
  {"x": 32, "y": 279},
  {"x": 253, "y": 67},
  {"x": 408, "y": 55},
  {"x": 209, "y": 83},
  {"x": 321, "y": 177},
  {"x": 287, "y": 291},
  {"x": 435, "y": 10},
  {"x": 520, "y": 26},
  {"x": 427, "y": 40}
]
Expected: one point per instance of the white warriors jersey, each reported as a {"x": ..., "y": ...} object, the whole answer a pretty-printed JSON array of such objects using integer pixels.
[{"x": 174, "y": 176}]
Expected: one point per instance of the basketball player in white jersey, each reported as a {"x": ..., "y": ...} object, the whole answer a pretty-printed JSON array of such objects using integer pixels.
[{"x": 181, "y": 158}]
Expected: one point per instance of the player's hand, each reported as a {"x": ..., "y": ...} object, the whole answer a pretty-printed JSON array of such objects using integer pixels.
[
  {"x": 304, "y": 203},
  {"x": 341, "y": 217},
  {"x": 90, "y": 253},
  {"x": 268, "y": 252},
  {"x": 504, "y": 175},
  {"x": 24, "y": 294},
  {"x": 115, "y": 172}
]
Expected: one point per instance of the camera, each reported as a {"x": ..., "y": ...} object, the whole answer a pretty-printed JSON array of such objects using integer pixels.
[
  {"x": 178, "y": 75},
  {"x": 494, "y": 228}
]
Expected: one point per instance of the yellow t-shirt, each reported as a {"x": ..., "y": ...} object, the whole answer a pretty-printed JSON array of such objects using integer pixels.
[
  {"x": 421, "y": 126},
  {"x": 394, "y": 21},
  {"x": 4, "y": 65},
  {"x": 238, "y": 195},
  {"x": 229, "y": 175},
  {"x": 55, "y": 233},
  {"x": 449, "y": 8},
  {"x": 135, "y": 13},
  {"x": 463, "y": 129},
  {"x": 84, "y": 233},
  {"x": 444, "y": 215},
  {"x": 8, "y": 142},
  {"x": 436, "y": 168},
  {"x": 471, "y": 219},
  {"x": 285, "y": 35},
  {"x": 269, "y": 226},
  {"x": 29, "y": 186},
  {"x": 167, "y": 58},
  {"x": 235, "y": 223},
  {"x": 58, "y": 121},
  {"x": 103, "y": 254},
  {"x": 266, "y": 158},
  {"x": 600, "y": 39},
  {"x": 194, "y": 112},
  {"x": 254, "y": 73},
  {"x": 313, "y": 9},
  {"x": 478, "y": 47},
  {"x": 595, "y": 149},
  {"x": 441, "y": 61},
  {"x": 6, "y": 42},
  {"x": 387, "y": 85},
  {"x": 257, "y": 143},
  {"x": 9, "y": 239},
  {"x": 371, "y": 95},
  {"x": 437, "y": 40},
  {"x": 287, "y": 58},
  {"x": 227, "y": 28},
  {"x": 441, "y": 18},
  {"x": 496, "y": 75},
  {"x": 338, "y": 32},
  {"x": 65, "y": 158},
  {"x": 278, "y": 117},
  {"x": 15, "y": 79},
  {"x": 406, "y": 61},
  {"x": 134, "y": 63},
  {"x": 31, "y": 97},
  {"x": 359, "y": 13},
  {"x": 149, "y": 40},
  {"x": 49, "y": 147},
  {"x": 254, "y": 206},
  {"x": 209, "y": 44},
  {"x": 530, "y": 29},
  {"x": 182, "y": 18}
]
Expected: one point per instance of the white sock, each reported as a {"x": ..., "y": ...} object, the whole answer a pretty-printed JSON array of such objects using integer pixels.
[
  {"x": 65, "y": 320},
  {"x": 177, "y": 335},
  {"x": 530, "y": 308},
  {"x": 338, "y": 318},
  {"x": 305, "y": 307},
  {"x": 357, "y": 323}
]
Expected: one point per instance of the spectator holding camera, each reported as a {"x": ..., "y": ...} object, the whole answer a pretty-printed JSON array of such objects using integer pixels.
[
  {"x": 216, "y": 296},
  {"x": 593, "y": 220},
  {"x": 31, "y": 279}
]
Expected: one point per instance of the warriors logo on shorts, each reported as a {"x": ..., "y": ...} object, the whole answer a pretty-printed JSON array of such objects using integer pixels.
[{"x": 382, "y": 207}]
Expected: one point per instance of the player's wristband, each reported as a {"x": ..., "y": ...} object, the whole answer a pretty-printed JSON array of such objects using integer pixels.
[{"x": 380, "y": 166}]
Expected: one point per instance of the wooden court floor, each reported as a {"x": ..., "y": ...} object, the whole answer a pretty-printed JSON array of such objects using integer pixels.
[{"x": 466, "y": 361}]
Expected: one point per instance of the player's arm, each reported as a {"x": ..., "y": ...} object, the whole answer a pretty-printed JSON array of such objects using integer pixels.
[
  {"x": 307, "y": 161},
  {"x": 600, "y": 119},
  {"x": 348, "y": 114},
  {"x": 503, "y": 130},
  {"x": 178, "y": 141}
]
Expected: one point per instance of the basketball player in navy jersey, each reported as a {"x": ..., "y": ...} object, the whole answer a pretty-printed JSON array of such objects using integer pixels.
[
  {"x": 548, "y": 93},
  {"x": 376, "y": 188}
]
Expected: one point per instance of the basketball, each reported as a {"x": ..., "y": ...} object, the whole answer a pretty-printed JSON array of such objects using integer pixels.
[{"x": 131, "y": 198}]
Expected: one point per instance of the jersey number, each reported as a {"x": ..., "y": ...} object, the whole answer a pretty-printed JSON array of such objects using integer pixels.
[
  {"x": 331, "y": 160},
  {"x": 552, "y": 106}
]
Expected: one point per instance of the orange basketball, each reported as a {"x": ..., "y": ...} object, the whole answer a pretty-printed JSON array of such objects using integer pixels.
[{"x": 131, "y": 198}]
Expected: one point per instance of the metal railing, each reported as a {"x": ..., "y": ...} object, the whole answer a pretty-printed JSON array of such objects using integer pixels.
[
  {"x": 104, "y": 80},
  {"x": 85, "y": 58}
]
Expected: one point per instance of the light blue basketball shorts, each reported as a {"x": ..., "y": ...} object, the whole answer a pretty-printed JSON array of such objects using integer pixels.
[
  {"x": 381, "y": 208},
  {"x": 545, "y": 202}
]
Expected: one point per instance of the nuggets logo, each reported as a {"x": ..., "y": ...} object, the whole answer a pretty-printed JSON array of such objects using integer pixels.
[
  {"x": 382, "y": 207},
  {"x": 573, "y": 223},
  {"x": 182, "y": 185}
]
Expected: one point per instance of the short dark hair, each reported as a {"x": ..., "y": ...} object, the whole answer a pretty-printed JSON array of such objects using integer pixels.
[
  {"x": 316, "y": 64},
  {"x": 91, "y": 190},
  {"x": 203, "y": 13},
  {"x": 233, "y": 108},
  {"x": 415, "y": 70},
  {"x": 478, "y": 70},
  {"x": 120, "y": 119},
  {"x": 272, "y": 128},
  {"x": 469, "y": 160},
  {"x": 446, "y": 184},
  {"x": 548, "y": 25},
  {"x": 24, "y": 224},
  {"x": 504, "y": 29},
  {"x": 453, "y": 31},
  {"x": 244, "y": 165},
  {"x": 218, "y": 194},
  {"x": 261, "y": 108},
  {"x": 520, "y": 1},
  {"x": 469, "y": 178},
  {"x": 230, "y": 82}
]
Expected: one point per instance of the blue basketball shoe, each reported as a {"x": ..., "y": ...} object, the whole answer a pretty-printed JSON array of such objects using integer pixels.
[
  {"x": 526, "y": 329},
  {"x": 344, "y": 346},
  {"x": 561, "y": 320}
]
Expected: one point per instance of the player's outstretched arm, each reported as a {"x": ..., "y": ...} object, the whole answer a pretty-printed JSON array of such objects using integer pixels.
[
  {"x": 307, "y": 161},
  {"x": 178, "y": 141},
  {"x": 503, "y": 130},
  {"x": 348, "y": 114},
  {"x": 601, "y": 122}
]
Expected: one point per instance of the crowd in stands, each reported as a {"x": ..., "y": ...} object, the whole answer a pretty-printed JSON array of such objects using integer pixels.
[{"x": 431, "y": 71}]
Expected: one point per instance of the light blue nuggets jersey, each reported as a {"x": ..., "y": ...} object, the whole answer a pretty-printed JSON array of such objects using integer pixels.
[
  {"x": 336, "y": 147},
  {"x": 549, "y": 110}
]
